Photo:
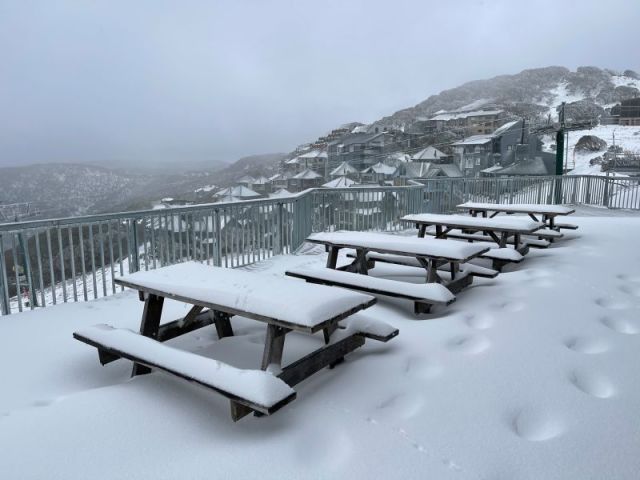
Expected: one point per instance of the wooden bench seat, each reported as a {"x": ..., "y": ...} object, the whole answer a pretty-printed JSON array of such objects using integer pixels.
[
  {"x": 468, "y": 268},
  {"x": 479, "y": 237},
  {"x": 503, "y": 256},
  {"x": 547, "y": 234},
  {"x": 423, "y": 295},
  {"x": 257, "y": 390},
  {"x": 566, "y": 226}
]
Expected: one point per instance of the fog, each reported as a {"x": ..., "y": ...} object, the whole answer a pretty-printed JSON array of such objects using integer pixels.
[{"x": 151, "y": 81}]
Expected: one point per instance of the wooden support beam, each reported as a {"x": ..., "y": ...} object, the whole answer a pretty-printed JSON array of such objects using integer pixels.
[
  {"x": 222, "y": 321},
  {"x": 273, "y": 346},
  {"x": 332, "y": 257},
  {"x": 149, "y": 326}
]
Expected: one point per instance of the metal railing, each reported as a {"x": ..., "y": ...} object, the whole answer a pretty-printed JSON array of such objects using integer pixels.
[{"x": 47, "y": 262}]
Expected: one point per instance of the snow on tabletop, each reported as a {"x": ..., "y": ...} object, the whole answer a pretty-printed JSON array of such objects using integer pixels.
[
  {"x": 363, "y": 323},
  {"x": 431, "y": 291},
  {"x": 256, "y": 386},
  {"x": 430, "y": 247},
  {"x": 266, "y": 295},
  {"x": 521, "y": 224},
  {"x": 530, "y": 375},
  {"x": 518, "y": 207}
]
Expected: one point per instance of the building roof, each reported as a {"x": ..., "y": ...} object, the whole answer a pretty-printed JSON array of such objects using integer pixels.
[
  {"x": 380, "y": 168},
  {"x": 451, "y": 170},
  {"x": 503, "y": 129},
  {"x": 474, "y": 140},
  {"x": 494, "y": 169},
  {"x": 307, "y": 174},
  {"x": 417, "y": 169},
  {"x": 530, "y": 166},
  {"x": 353, "y": 138},
  {"x": 261, "y": 180},
  {"x": 237, "y": 191},
  {"x": 313, "y": 154},
  {"x": 344, "y": 168},
  {"x": 292, "y": 161},
  {"x": 339, "y": 182},
  {"x": 429, "y": 153},
  {"x": 246, "y": 179},
  {"x": 282, "y": 193}
]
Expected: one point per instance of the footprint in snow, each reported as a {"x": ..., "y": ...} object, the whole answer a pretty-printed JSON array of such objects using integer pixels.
[
  {"x": 621, "y": 325},
  {"x": 631, "y": 289},
  {"x": 401, "y": 406},
  {"x": 482, "y": 321},
  {"x": 612, "y": 303},
  {"x": 629, "y": 278},
  {"x": 510, "y": 306},
  {"x": 423, "y": 367},
  {"x": 537, "y": 425},
  {"x": 469, "y": 344},
  {"x": 587, "y": 345},
  {"x": 593, "y": 383}
]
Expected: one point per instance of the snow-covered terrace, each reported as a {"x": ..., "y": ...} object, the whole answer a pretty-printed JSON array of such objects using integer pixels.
[{"x": 531, "y": 375}]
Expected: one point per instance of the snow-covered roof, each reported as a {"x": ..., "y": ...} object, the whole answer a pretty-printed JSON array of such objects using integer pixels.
[
  {"x": 313, "y": 154},
  {"x": 400, "y": 157},
  {"x": 417, "y": 169},
  {"x": 344, "y": 168},
  {"x": 474, "y": 140},
  {"x": 293, "y": 161},
  {"x": 360, "y": 129},
  {"x": 246, "y": 179},
  {"x": 237, "y": 191},
  {"x": 339, "y": 182},
  {"x": 261, "y": 180},
  {"x": 500, "y": 130},
  {"x": 380, "y": 168},
  {"x": 307, "y": 174},
  {"x": 206, "y": 188},
  {"x": 493, "y": 169},
  {"x": 429, "y": 153},
  {"x": 282, "y": 193},
  {"x": 450, "y": 170}
]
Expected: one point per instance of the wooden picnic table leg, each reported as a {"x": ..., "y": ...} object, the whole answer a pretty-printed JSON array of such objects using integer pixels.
[
  {"x": 273, "y": 347},
  {"x": 422, "y": 230},
  {"x": 552, "y": 221},
  {"x": 438, "y": 231},
  {"x": 149, "y": 326},
  {"x": 503, "y": 239},
  {"x": 432, "y": 272},
  {"x": 332, "y": 258},
  {"x": 222, "y": 322},
  {"x": 516, "y": 241},
  {"x": 361, "y": 266},
  {"x": 533, "y": 217},
  {"x": 493, "y": 214},
  {"x": 454, "y": 269}
]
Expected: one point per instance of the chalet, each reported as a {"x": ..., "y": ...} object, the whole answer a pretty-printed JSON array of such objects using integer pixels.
[
  {"x": 239, "y": 192},
  {"x": 475, "y": 122},
  {"x": 315, "y": 160},
  {"x": 345, "y": 169},
  {"x": 281, "y": 193},
  {"x": 305, "y": 179},
  {"x": 280, "y": 180},
  {"x": 359, "y": 149},
  {"x": 627, "y": 113},
  {"x": 379, "y": 173}
]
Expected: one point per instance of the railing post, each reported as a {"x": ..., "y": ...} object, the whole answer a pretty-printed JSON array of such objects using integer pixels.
[
  {"x": 279, "y": 240},
  {"x": 5, "y": 305},
  {"x": 133, "y": 242},
  {"x": 605, "y": 195},
  {"x": 217, "y": 244},
  {"x": 587, "y": 197}
]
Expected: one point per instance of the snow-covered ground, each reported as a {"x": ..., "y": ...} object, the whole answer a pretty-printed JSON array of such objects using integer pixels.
[{"x": 532, "y": 375}]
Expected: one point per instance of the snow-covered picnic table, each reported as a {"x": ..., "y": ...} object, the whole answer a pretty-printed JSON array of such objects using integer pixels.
[
  {"x": 498, "y": 230},
  {"x": 430, "y": 253},
  {"x": 548, "y": 212},
  {"x": 217, "y": 294}
]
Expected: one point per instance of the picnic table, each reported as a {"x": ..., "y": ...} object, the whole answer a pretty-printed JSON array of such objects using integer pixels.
[
  {"x": 498, "y": 230},
  {"x": 430, "y": 253},
  {"x": 547, "y": 212},
  {"x": 216, "y": 294}
]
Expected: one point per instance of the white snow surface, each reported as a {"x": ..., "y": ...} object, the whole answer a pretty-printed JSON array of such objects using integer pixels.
[
  {"x": 516, "y": 224},
  {"x": 430, "y": 247},
  {"x": 257, "y": 386},
  {"x": 531, "y": 375},
  {"x": 275, "y": 297},
  {"x": 518, "y": 208}
]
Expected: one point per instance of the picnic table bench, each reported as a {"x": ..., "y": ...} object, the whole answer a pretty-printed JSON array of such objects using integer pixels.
[
  {"x": 430, "y": 254},
  {"x": 284, "y": 305},
  {"x": 547, "y": 212}
]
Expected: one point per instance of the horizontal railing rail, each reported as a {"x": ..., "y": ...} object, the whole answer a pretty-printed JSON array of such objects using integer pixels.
[{"x": 45, "y": 262}]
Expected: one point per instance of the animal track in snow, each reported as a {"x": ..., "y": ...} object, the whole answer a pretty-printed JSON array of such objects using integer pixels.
[
  {"x": 537, "y": 425},
  {"x": 621, "y": 325},
  {"x": 629, "y": 278},
  {"x": 612, "y": 303},
  {"x": 481, "y": 321},
  {"x": 423, "y": 367},
  {"x": 587, "y": 345},
  {"x": 469, "y": 344},
  {"x": 593, "y": 383},
  {"x": 510, "y": 306}
]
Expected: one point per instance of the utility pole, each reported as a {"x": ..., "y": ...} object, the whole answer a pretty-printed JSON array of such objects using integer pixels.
[{"x": 560, "y": 142}]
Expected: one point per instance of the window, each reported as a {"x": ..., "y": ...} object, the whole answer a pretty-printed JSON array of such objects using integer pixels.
[{"x": 478, "y": 161}]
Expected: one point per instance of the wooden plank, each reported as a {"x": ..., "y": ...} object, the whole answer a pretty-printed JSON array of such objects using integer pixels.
[
  {"x": 317, "y": 360},
  {"x": 273, "y": 346},
  {"x": 222, "y": 321}
]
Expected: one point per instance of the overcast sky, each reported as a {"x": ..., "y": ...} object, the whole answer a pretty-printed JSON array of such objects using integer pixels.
[{"x": 149, "y": 80}]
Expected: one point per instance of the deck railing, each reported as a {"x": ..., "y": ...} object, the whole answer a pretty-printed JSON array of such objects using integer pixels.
[{"x": 46, "y": 262}]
